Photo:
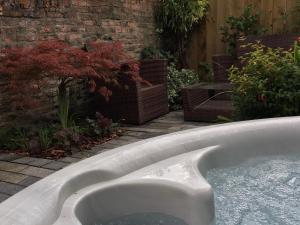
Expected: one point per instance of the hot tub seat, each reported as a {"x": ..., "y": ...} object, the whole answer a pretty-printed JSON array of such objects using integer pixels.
[{"x": 63, "y": 196}]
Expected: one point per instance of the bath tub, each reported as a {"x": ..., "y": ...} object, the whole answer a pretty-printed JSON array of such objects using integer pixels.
[{"x": 164, "y": 175}]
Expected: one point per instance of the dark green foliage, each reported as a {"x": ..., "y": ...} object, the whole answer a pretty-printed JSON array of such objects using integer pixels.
[
  {"x": 14, "y": 138},
  {"x": 268, "y": 85},
  {"x": 178, "y": 79},
  {"x": 100, "y": 126},
  {"x": 156, "y": 53},
  {"x": 175, "y": 20},
  {"x": 55, "y": 136},
  {"x": 235, "y": 27},
  {"x": 45, "y": 135},
  {"x": 205, "y": 72}
]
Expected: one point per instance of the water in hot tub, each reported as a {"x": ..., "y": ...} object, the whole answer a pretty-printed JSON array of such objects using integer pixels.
[
  {"x": 145, "y": 219},
  {"x": 260, "y": 191}
]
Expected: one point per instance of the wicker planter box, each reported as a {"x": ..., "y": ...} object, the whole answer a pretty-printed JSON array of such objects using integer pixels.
[{"x": 141, "y": 103}]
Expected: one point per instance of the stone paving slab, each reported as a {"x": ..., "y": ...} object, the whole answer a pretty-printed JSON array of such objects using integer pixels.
[
  {"x": 149, "y": 130},
  {"x": 10, "y": 189},
  {"x": 24, "y": 160},
  {"x": 29, "y": 181},
  {"x": 69, "y": 159},
  {"x": 129, "y": 138},
  {"x": 36, "y": 171},
  {"x": 40, "y": 162},
  {"x": 3, "y": 197},
  {"x": 10, "y": 177},
  {"x": 11, "y": 167},
  {"x": 17, "y": 172},
  {"x": 56, "y": 165},
  {"x": 135, "y": 134},
  {"x": 9, "y": 157}
]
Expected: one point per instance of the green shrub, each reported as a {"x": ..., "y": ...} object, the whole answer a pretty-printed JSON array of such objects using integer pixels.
[
  {"x": 175, "y": 20},
  {"x": 176, "y": 80},
  {"x": 268, "y": 85},
  {"x": 14, "y": 139},
  {"x": 45, "y": 136},
  {"x": 100, "y": 126},
  {"x": 156, "y": 53}
]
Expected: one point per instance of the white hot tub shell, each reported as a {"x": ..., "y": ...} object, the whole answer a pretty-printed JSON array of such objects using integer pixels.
[{"x": 164, "y": 175}]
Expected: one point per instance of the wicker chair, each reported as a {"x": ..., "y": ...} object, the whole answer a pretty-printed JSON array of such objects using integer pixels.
[
  {"x": 206, "y": 102},
  {"x": 142, "y": 103}
]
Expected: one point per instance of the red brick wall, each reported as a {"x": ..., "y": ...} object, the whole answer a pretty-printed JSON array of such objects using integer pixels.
[
  {"x": 23, "y": 22},
  {"x": 77, "y": 21}
]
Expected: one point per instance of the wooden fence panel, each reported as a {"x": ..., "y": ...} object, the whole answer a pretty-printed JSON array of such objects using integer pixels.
[{"x": 276, "y": 16}]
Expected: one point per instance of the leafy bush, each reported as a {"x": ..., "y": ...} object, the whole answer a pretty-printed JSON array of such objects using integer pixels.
[
  {"x": 45, "y": 135},
  {"x": 178, "y": 79},
  {"x": 235, "y": 27},
  {"x": 152, "y": 53},
  {"x": 14, "y": 139},
  {"x": 175, "y": 20},
  {"x": 156, "y": 53},
  {"x": 55, "y": 140},
  {"x": 205, "y": 71},
  {"x": 100, "y": 126},
  {"x": 268, "y": 85}
]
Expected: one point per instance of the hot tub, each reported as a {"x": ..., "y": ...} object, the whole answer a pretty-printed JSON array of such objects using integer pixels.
[{"x": 164, "y": 175}]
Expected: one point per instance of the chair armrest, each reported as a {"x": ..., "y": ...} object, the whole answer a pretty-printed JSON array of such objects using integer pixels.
[{"x": 193, "y": 96}]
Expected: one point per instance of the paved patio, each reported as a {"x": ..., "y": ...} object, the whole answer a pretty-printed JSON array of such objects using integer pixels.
[{"x": 17, "y": 172}]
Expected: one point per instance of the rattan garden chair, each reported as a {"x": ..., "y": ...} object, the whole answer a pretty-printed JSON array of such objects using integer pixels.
[{"x": 141, "y": 102}]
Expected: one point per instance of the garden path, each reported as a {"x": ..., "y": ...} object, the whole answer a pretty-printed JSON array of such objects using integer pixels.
[{"x": 17, "y": 172}]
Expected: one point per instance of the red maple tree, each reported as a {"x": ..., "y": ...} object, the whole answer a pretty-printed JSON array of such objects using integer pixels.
[{"x": 28, "y": 69}]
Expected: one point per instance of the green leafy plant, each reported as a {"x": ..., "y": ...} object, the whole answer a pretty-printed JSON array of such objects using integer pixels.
[
  {"x": 205, "y": 72},
  {"x": 67, "y": 138},
  {"x": 100, "y": 126},
  {"x": 177, "y": 79},
  {"x": 243, "y": 25},
  {"x": 45, "y": 135},
  {"x": 297, "y": 52},
  {"x": 14, "y": 138},
  {"x": 175, "y": 20},
  {"x": 156, "y": 53},
  {"x": 63, "y": 99},
  {"x": 151, "y": 53},
  {"x": 269, "y": 83}
]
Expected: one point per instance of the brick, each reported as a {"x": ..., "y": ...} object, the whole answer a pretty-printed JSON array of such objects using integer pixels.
[{"x": 125, "y": 21}]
